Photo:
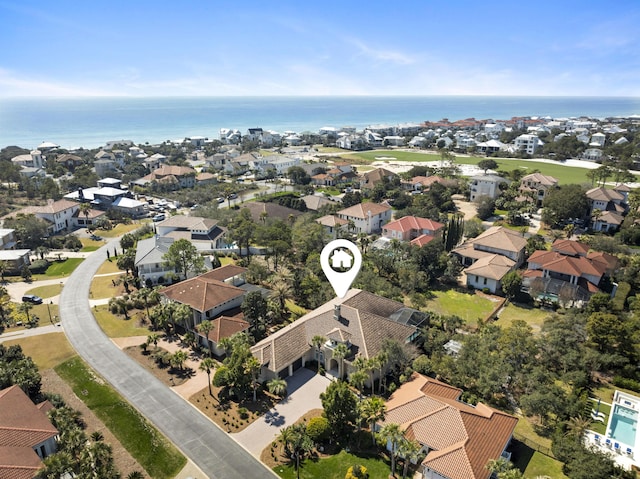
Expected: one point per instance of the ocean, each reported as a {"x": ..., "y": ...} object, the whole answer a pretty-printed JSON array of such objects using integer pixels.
[{"x": 91, "y": 122}]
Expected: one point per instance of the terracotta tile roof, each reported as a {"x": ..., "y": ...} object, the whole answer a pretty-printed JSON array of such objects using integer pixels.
[
  {"x": 603, "y": 194},
  {"x": 422, "y": 240},
  {"x": 540, "y": 179},
  {"x": 573, "y": 266},
  {"x": 373, "y": 177},
  {"x": 205, "y": 176},
  {"x": 570, "y": 247},
  {"x": 202, "y": 293},
  {"x": 611, "y": 218},
  {"x": 331, "y": 220},
  {"x": 363, "y": 320},
  {"x": 463, "y": 438},
  {"x": 21, "y": 422},
  {"x": 189, "y": 222},
  {"x": 622, "y": 187},
  {"x": 173, "y": 170},
  {"x": 426, "y": 181},
  {"x": 18, "y": 462},
  {"x": 224, "y": 272},
  {"x": 409, "y": 223},
  {"x": 51, "y": 207},
  {"x": 609, "y": 262},
  {"x": 362, "y": 210},
  {"x": 494, "y": 266},
  {"x": 226, "y": 326}
]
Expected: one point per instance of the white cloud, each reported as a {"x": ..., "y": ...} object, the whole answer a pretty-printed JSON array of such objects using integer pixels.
[
  {"x": 381, "y": 54},
  {"x": 11, "y": 84}
]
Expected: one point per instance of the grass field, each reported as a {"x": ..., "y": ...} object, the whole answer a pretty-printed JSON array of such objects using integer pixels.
[
  {"x": 468, "y": 306},
  {"x": 335, "y": 467},
  {"x": 46, "y": 350},
  {"x": 535, "y": 464},
  {"x": 46, "y": 291},
  {"x": 119, "y": 229},
  {"x": 108, "y": 267},
  {"x": 153, "y": 451},
  {"x": 116, "y": 326},
  {"x": 64, "y": 268},
  {"x": 534, "y": 317},
  {"x": 90, "y": 245},
  {"x": 102, "y": 286},
  {"x": 564, "y": 174}
]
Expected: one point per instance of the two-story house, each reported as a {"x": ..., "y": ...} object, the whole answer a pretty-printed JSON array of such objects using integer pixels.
[
  {"x": 26, "y": 434},
  {"x": 486, "y": 185},
  {"x": 537, "y": 187},
  {"x": 366, "y": 217},
  {"x": 204, "y": 233},
  {"x": 528, "y": 143},
  {"x": 607, "y": 207},
  {"x": 411, "y": 228},
  {"x": 459, "y": 439},
  {"x": 490, "y": 256}
]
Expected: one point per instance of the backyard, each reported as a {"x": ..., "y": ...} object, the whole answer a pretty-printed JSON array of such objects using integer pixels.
[{"x": 468, "y": 305}]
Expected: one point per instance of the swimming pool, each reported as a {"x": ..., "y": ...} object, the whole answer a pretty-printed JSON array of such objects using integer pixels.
[{"x": 624, "y": 423}]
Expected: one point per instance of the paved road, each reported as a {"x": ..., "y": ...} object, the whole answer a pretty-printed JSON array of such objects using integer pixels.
[{"x": 210, "y": 448}]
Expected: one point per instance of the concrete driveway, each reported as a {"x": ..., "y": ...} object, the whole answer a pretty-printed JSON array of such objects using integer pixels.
[
  {"x": 304, "y": 389},
  {"x": 210, "y": 448}
]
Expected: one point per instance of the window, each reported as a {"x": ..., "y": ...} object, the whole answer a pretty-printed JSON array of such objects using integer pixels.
[{"x": 485, "y": 280}]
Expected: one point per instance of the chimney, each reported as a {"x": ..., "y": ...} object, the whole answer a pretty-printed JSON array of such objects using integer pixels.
[{"x": 336, "y": 312}]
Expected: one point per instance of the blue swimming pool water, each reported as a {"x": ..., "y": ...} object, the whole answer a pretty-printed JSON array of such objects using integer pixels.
[{"x": 624, "y": 423}]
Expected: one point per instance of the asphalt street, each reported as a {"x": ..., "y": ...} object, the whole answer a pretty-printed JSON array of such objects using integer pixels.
[{"x": 210, "y": 448}]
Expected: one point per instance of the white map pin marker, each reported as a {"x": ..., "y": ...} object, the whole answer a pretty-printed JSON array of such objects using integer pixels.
[{"x": 339, "y": 266}]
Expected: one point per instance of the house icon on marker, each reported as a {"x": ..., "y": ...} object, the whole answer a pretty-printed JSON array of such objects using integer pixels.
[{"x": 341, "y": 259}]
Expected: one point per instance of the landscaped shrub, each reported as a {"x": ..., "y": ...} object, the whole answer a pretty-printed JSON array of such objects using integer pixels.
[
  {"x": 620, "y": 297},
  {"x": 39, "y": 266},
  {"x": 318, "y": 429},
  {"x": 243, "y": 412},
  {"x": 626, "y": 383},
  {"x": 73, "y": 243}
]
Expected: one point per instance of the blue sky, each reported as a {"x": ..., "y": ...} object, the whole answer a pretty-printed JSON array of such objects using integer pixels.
[{"x": 300, "y": 47}]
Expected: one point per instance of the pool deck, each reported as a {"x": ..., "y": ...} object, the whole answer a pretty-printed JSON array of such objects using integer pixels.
[{"x": 625, "y": 455}]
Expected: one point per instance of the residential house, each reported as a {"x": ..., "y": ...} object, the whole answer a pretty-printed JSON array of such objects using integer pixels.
[
  {"x": 150, "y": 263},
  {"x": 209, "y": 295},
  {"x": 58, "y": 214},
  {"x": 68, "y": 160},
  {"x": 537, "y": 187},
  {"x": 528, "y": 143},
  {"x": 607, "y": 207},
  {"x": 352, "y": 142},
  {"x": 223, "y": 327},
  {"x": 370, "y": 179},
  {"x": 374, "y": 140},
  {"x": 366, "y": 217},
  {"x": 490, "y": 256},
  {"x": 154, "y": 161},
  {"x": 459, "y": 439},
  {"x": 486, "y": 185},
  {"x": 34, "y": 160},
  {"x": 26, "y": 434},
  {"x": 490, "y": 147},
  {"x": 597, "y": 140},
  {"x": 15, "y": 259},
  {"x": 409, "y": 228},
  {"x": 394, "y": 140},
  {"x": 360, "y": 320},
  {"x": 315, "y": 202},
  {"x": 280, "y": 163},
  {"x": 7, "y": 238},
  {"x": 177, "y": 176},
  {"x": 204, "y": 233},
  {"x": 206, "y": 179},
  {"x": 422, "y": 183},
  {"x": 108, "y": 197},
  {"x": 592, "y": 154},
  {"x": 567, "y": 272},
  {"x": 333, "y": 225}
]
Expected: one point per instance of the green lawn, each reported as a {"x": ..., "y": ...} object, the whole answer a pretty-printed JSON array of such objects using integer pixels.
[
  {"x": 469, "y": 306},
  {"x": 145, "y": 443},
  {"x": 533, "y": 463},
  {"x": 564, "y": 174},
  {"x": 534, "y": 317},
  {"x": 90, "y": 245},
  {"x": 46, "y": 291},
  {"x": 115, "y": 326},
  {"x": 46, "y": 350},
  {"x": 60, "y": 269},
  {"x": 597, "y": 426},
  {"x": 108, "y": 267},
  {"x": 335, "y": 467},
  {"x": 119, "y": 229},
  {"x": 225, "y": 260},
  {"x": 102, "y": 286}
]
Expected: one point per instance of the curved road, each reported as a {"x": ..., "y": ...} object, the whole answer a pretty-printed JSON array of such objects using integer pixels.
[{"x": 215, "y": 453}]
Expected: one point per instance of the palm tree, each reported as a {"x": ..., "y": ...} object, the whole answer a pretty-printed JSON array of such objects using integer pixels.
[
  {"x": 153, "y": 338},
  {"x": 205, "y": 328},
  {"x": 317, "y": 341},
  {"x": 85, "y": 208},
  {"x": 178, "y": 359},
  {"x": 409, "y": 451},
  {"x": 358, "y": 379},
  {"x": 285, "y": 437},
  {"x": 577, "y": 426},
  {"x": 3, "y": 269},
  {"x": 280, "y": 292},
  {"x": 373, "y": 410},
  {"x": 278, "y": 387},
  {"x": 25, "y": 308},
  {"x": 380, "y": 362},
  {"x": 392, "y": 434},
  {"x": 252, "y": 367},
  {"x": 135, "y": 475},
  {"x": 206, "y": 365},
  {"x": 340, "y": 352},
  {"x": 301, "y": 444},
  {"x": 364, "y": 240},
  {"x": 149, "y": 295}
]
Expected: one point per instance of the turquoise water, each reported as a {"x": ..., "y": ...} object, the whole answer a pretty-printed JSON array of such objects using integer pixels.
[
  {"x": 90, "y": 122},
  {"x": 624, "y": 424}
]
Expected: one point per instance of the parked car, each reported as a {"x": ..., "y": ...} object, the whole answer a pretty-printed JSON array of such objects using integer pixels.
[
  {"x": 221, "y": 200},
  {"x": 31, "y": 298},
  {"x": 159, "y": 217},
  {"x": 96, "y": 237}
]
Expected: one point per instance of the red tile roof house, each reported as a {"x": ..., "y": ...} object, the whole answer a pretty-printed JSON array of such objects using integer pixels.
[
  {"x": 568, "y": 271},
  {"x": 209, "y": 296},
  {"x": 459, "y": 439},
  {"x": 490, "y": 256},
  {"x": 26, "y": 434},
  {"x": 361, "y": 320},
  {"x": 371, "y": 178},
  {"x": 408, "y": 228}
]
